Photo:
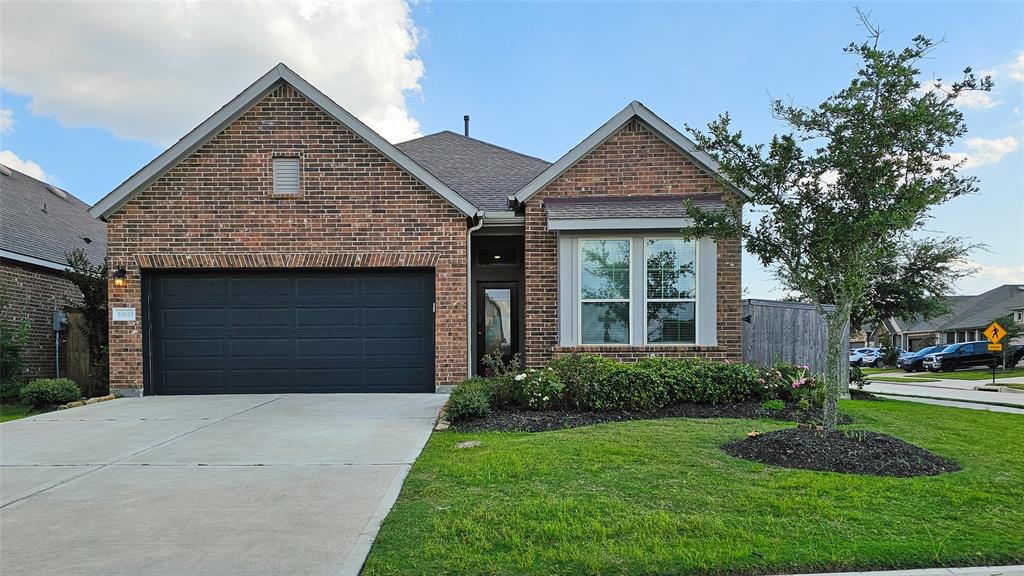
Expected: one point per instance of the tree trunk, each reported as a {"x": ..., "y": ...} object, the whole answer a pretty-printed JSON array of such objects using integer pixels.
[{"x": 835, "y": 323}]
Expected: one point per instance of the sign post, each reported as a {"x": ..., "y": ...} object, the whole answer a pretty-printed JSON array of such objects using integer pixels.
[{"x": 994, "y": 333}]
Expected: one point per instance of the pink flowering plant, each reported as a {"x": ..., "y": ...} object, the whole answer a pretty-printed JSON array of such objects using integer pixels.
[{"x": 790, "y": 382}]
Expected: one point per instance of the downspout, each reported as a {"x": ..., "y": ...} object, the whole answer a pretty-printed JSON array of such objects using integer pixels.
[{"x": 469, "y": 291}]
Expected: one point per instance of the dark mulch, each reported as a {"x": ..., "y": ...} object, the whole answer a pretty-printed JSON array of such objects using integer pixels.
[
  {"x": 856, "y": 452},
  {"x": 856, "y": 394},
  {"x": 518, "y": 420}
]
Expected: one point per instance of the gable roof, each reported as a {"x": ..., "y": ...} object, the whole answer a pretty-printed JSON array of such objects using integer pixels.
[
  {"x": 40, "y": 226},
  {"x": 241, "y": 104},
  {"x": 634, "y": 109},
  {"x": 485, "y": 174},
  {"x": 967, "y": 312}
]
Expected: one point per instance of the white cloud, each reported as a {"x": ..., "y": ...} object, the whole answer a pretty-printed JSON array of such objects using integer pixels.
[
  {"x": 985, "y": 151},
  {"x": 155, "y": 70},
  {"x": 11, "y": 160},
  {"x": 971, "y": 99},
  {"x": 1015, "y": 69},
  {"x": 6, "y": 120},
  {"x": 988, "y": 276}
]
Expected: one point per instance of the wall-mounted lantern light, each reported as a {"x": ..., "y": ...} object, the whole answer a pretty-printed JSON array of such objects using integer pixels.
[{"x": 119, "y": 275}]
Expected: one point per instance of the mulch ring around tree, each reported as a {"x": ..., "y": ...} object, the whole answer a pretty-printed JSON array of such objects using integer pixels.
[
  {"x": 518, "y": 420},
  {"x": 853, "y": 452}
]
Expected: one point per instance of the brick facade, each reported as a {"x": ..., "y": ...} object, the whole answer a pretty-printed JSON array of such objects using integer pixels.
[
  {"x": 633, "y": 161},
  {"x": 32, "y": 293},
  {"x": 356, "y": 208}
]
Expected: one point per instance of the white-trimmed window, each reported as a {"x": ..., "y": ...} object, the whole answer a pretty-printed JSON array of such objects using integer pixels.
[
  {"x": 670, "y": 278},
  {"x": 286, "y": 175},
  {"x": 604, "y": 291}
]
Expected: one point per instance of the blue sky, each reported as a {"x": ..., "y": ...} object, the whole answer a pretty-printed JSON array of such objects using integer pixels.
[{"x": 535, "y": 77}]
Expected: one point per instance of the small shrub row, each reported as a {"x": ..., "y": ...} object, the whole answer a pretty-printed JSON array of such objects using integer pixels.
[
  {"x": 49, "y": 392},
  {"x": 596, "y": 383}
]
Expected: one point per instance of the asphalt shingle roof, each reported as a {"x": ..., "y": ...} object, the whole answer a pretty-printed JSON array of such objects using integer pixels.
[
  {"x": 971, "y": 311},
  {"x": 27, "y": 229},
  {"x": 482, "y": 173},
  {"x": 624, "y": 206}
]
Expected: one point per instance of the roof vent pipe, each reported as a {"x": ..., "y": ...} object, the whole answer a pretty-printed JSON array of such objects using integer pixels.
[{"x": 465, "y": 120}]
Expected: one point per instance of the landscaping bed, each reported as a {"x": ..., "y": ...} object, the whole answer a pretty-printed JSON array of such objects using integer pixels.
[
  {"x": 521, "y": 420},
  {"x": 661, "y": 497},
  {"x": 856, "y": 452}
]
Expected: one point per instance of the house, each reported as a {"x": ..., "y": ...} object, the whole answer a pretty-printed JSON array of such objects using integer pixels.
[
  {"x": 967, "y": 319},
  {"x": 39, "y": 223},
  {"x": 283, "y": 245}
]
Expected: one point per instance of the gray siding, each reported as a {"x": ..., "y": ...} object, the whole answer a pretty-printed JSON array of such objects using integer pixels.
[{"x": 792, "y": 331}]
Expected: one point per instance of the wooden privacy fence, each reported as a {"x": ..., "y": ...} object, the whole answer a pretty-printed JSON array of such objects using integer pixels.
[
  {"x": 76, "y": 354},
  {"x": 790, "y": 331}
]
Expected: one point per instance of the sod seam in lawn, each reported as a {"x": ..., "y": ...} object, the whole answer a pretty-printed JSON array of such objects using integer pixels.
[{"x": 660, "y": 497}]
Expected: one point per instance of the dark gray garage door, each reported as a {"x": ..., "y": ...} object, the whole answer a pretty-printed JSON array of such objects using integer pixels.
[{"x": 263, "y": 332}]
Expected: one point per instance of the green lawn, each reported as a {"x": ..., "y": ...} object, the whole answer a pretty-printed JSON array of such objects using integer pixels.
[
  {"x": 659, "y": 497},
  {"x": 13, "y": 411},
  {"x": 981, "y": 374},
  {"x": 869, "y": 371}
]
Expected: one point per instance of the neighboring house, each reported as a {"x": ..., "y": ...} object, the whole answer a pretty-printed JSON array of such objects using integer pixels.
[
  {"x": 283, "y": 245},
  {"x": 39, "y": 223},
  {"x": 968, "y": 317}
]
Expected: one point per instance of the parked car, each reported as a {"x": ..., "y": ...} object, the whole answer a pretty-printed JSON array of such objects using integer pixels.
[
  {"x": 1013, "y": 359},
  {"x": 914, "y": 361},
  {"x": 962, "y": 355},
  {"x": 858, "y": 356}
]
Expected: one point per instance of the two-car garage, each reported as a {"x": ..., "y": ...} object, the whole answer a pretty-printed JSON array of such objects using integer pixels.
[{"x": 237, "y": 332}]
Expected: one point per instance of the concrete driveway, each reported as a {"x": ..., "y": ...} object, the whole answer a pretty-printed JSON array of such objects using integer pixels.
[{"x": 256, "y": 484}]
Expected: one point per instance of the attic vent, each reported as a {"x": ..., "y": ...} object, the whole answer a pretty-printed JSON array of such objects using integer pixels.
[
  {"x": 5, "y": 170},
  {"x": 57, "y": 192},
  {"x": 286, "y": 175}
]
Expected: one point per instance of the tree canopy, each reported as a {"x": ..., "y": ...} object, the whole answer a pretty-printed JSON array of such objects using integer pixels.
[{"x": 842, "y": 197}]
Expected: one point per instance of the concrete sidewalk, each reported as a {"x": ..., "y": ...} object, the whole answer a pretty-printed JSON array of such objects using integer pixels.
[{"x": 945, "y": 392}]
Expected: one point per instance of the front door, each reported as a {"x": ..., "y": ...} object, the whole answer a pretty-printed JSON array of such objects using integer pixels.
[{"x": 497, "y": 321}]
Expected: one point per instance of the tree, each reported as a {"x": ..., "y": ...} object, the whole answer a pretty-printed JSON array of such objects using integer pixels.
[
  {"x": 848, "y": 189},
  {"x": 91, "y": 280},
  {"x": 13, "y": 339},
  {"x": 913, "y": 283}
]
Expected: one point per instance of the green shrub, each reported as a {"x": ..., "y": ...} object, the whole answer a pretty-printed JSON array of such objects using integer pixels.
[
  {"x": 49, "y": 392},
  {"x": 13, "y": 338},
  {"x": 632, "y": 387},
  {"x": 470, "y": 399},
  {"x": 595, "y": 383},
  {"x": 857, "y": 377},
  {"x": 542, "y": 389},
  {"x": 507, "y": 390},
  {"x": 774, "y": 405},
  {"x": 722, "y": 383},
  {"x": 581, "y": 376}
]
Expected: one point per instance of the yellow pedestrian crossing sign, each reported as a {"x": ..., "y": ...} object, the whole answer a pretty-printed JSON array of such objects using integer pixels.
[{"x": 994, "y": 332}]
